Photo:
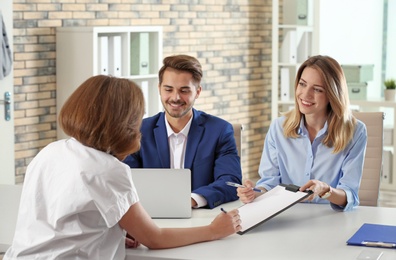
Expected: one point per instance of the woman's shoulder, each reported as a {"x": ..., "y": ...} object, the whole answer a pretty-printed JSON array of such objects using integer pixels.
[
  {"x": 360, "y": 127},
  {"x": 360, "y": 132},
  {"x": 278, "y": 122}
]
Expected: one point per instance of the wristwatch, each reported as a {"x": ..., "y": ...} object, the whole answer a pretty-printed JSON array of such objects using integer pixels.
[{"x": 327, "y": 194}]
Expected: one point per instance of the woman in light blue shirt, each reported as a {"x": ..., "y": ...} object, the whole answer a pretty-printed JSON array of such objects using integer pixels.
[{"x": 319, "y": 145}]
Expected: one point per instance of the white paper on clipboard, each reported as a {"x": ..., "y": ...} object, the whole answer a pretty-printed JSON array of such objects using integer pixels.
[{"x": 268, "y": 206}]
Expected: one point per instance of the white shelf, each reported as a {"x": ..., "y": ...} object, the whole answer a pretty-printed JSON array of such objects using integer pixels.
[
  {"x": 307, "y": 28},
  {"x": 139, "y": 77},
  {"x": 133, "y": 52},
  {"x": 304, "y": 43},
  {"x": 288, "y": 102},
  {"x": 374, "y": 103}
]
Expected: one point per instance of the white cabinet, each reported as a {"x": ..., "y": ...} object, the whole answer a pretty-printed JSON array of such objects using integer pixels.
[
  {"x": 133, "y": 52},
  {"x": 388, "y": 177},
  {"x": 294, "y": 39}
]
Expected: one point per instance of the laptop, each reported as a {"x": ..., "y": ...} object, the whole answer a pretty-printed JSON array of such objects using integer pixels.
[{"x": 164, "y": 193}]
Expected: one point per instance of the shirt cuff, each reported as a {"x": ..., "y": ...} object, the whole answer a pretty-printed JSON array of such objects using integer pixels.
[
  {"x": 351, "y": 201},
  {"x": 201, "y": 201}
]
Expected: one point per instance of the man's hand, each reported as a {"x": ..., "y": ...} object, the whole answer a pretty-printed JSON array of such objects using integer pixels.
[{"x": 247, "y": 194}]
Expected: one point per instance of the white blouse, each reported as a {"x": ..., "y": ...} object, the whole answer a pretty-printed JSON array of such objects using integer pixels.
[{"x": 72, "y": 200}]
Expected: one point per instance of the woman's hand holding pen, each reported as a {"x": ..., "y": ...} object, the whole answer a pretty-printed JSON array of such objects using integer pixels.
[
  {"x": 247, "y": 194},
  {"x": 226, "y": 223}
]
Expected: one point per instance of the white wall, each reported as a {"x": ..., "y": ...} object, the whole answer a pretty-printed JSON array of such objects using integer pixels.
[
  {"x": 351, "y": 32},
  {"x": 391, "y": 41}
]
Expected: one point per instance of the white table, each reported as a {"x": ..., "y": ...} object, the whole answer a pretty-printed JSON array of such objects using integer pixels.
[{"x": 304, "y": 231}]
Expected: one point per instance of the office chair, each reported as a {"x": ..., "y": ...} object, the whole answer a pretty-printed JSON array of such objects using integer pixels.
[
  {"x": 372, "y": 168},
  {"x": 238, "y": 137}
]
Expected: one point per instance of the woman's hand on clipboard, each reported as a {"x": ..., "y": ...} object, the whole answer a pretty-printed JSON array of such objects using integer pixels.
[{"x": 317, "y": 187}]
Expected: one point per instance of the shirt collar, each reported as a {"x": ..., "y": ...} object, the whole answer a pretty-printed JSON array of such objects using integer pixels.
[
  {"x": 184, "y": 131},
  {"x": 302, "y": 130}
]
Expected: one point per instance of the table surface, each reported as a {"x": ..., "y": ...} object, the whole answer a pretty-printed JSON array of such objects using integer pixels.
[{"x": 304, "y": 231}]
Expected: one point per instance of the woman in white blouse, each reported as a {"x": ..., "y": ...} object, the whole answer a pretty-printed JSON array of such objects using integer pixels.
[{"x": 79, "y": 200}]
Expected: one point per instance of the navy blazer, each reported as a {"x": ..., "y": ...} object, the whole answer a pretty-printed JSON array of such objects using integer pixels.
[{"x": 211, "y": 155}]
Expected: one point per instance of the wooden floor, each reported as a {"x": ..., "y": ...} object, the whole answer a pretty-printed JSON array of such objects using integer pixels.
[{"x": 387, "y": 199}]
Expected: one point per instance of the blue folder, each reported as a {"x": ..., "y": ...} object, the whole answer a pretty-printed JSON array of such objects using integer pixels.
[{"x": 375, "y": 235}]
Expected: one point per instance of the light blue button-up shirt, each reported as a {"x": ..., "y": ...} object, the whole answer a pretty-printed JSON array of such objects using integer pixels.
[{"x": 296, "y": 161}]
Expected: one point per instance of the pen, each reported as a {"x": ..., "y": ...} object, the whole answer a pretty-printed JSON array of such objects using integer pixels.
[
  {"x": 233, "y": 184},
  {"x": 378, "y": 244},
  {"x": 224, "y": 210}
]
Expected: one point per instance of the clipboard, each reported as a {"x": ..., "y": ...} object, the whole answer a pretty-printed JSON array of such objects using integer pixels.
[
  {"x": 269, "y": 205},
  {"x": 374, "y": 235}
]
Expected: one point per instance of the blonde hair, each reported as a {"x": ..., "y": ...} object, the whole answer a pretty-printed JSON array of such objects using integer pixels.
[
  {"x": 341, "y": 122},
  {"x": 105, "y": 113}
]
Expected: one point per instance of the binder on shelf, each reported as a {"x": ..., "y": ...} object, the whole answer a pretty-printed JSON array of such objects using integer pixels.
[
  {"x": 386, "y": 174},
  {"x": 285, "y": 84},
  {"x": 374, "y": 235},
  {"x": 103, "y": 60},
  {"x": 115, "y": 55},
  {"x": 304, "y": 47},
  {"x": 145, "y": 89},
  {"x": 140, "y": 53},
  {"x": 270, "y": 204},
  {"x": 288, "y": 53},
  {"x": 310, "y": 11},
  {"x": 296, "y": 12},
  {"x": 302, "y": 12}
]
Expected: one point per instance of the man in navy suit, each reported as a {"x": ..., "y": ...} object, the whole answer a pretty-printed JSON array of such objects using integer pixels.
[{"x": 183, "y": 137}]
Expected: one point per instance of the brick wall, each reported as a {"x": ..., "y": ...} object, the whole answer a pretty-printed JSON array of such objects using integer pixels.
[{"x": 232, "y": 40}]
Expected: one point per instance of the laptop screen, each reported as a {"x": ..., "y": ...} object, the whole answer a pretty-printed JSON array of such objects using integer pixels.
[{"x": 164, "y": 193}]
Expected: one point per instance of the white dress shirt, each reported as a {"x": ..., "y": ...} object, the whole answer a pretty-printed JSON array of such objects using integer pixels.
[{"x": 177, "y": 151}]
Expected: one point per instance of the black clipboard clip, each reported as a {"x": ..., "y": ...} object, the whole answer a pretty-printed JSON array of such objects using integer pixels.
[{"x": 294, "y": 188}]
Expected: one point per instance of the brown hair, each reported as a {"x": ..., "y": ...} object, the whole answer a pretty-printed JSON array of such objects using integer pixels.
[
  {"x": 105, "y": 113},
  {"x": 182, "y": 63},
  {"x": 341, "y": 122}
]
